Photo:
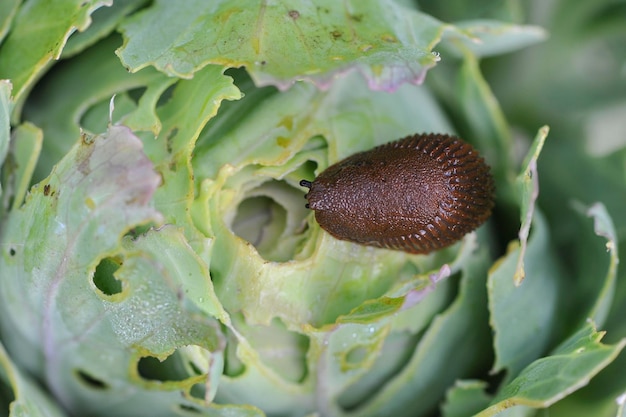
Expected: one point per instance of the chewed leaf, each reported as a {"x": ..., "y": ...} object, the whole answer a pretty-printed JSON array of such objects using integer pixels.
[
  {"x": 603, "y": 226},
  {"x": 549, "y": 379},
  {"x": 37, "y": 36},
  {"x": 527, "y": 312},
  {"x": 465, "y": 396},
  {"x": 528, "y": 183},
  {"x": 282, "y": 42},
  {"x": 96, "y": 194},
  {"x": 61, "y": 115},
  {"x": 105, "y": 20},
  {"x": 437, "y": 361}
]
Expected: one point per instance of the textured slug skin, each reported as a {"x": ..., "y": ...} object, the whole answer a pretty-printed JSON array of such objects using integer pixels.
[{"x": 417, "y": 194}]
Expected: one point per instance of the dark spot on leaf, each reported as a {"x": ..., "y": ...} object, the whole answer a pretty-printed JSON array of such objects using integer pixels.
[
  {"x": 336, "y": 34},
  {"x": 282, "y": 141},
  {"x": 84, "y": 153},
  {"x": 91, "y": 381},
  {"x": 46, "y": 190},
  {"x": 137, "y": 231},
  {"x": 356, "y": 17},
  {"x": 170, "y": 138},
  {"x": 389, "y": 38},
  {"x": 294, "y": 14},
  {"x": 12, "y": 252}
]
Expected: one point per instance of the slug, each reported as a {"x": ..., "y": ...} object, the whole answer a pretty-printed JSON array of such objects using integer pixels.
[{"x": 417, "y": 194}]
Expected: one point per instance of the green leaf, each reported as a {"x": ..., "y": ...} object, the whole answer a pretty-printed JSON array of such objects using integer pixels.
[
  {"x": 621, "y": 410},
  {"x": 460, "y": 10},
  {"x": 25, "y": 148},
  {"x": 63, "y": 99},
  {"x": 549, "y": 379},
  {"x": 183, "y": 117},
  {"x": 466, "y": 397},
  {"x": 38, "y": 33},
  {"x": 487, "y": 123},
  {"x": 520, "y": 310},
  {"x": 524, "y": 318},
  {"x": 179, "y": 273},
  {"x": 141, "y": 300},
  {"x": 594, "y": 290},
  {"x": 489, "y": 37},
  {"x": 280, "y": 43},
  {"x": 6, "y": 105},
  {"x": 105, "y": 20},
  {"x": 253, "y": 166},
  {"x": 5, "y": 138},
  {"x": 596, "y": 274},
  {"x": 528, "y": 183},
  {"x": 451, "y": 348},
  {"x": 343, "y": 297},
  {"x": 8, "y": 10},
  {"x": 100, "y": 191},
  {"x": 23, "y": 396},
  {"x": 479, "y": 119}
]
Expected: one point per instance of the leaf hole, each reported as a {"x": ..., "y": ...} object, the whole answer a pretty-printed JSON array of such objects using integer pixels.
[
  {"x": 104, "y": 276},
  {"x": 198, "y": 391},
  {"x": 135, "y": 94},
  {"x": 189, "y": 409},
  {"x": 271, "y": 218},
  {"x": 279, "y": 348},
  {"x": 233, "y": 367},
  {"x": 91, "y": 381},
  {"x": 356, "y": 356},
  {"x": 260, "y": 220},
  {"x": 394, "y": 356},
  {"x": 166, "y": 96},
  {"x": 172, "y": 368}
]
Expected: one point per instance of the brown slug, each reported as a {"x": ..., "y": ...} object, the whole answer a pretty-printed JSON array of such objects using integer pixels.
[{"x": 417, "y": 194}]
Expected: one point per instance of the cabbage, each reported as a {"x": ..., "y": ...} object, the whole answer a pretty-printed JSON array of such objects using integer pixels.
[{"x": 157, "y": 258}]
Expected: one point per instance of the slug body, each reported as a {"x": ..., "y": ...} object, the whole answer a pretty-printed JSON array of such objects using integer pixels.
[{"x": 417, "y": 194}]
